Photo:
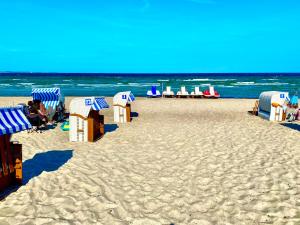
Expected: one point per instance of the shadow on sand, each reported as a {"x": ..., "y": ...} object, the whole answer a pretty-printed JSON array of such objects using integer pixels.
[
  {"x": 134, "y": 114},
  {"x": 293, "y": 126},
  {"x": 44, "y": 161},
  {"x": 110, "y": 127}
]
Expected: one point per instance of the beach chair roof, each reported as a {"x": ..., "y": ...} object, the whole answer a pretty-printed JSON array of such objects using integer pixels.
[
  {"x": 45, "y": 92},
  {"x": 49, "y": 96},
  {"x": 268, "y": 97},
  {"x": 84, "y": 105},
  {"x": 122, "y": 98},
  {"x": 13, "y": 120}
]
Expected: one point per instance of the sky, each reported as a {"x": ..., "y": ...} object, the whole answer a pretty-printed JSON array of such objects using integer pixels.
[{"x": 150, "y": 36}]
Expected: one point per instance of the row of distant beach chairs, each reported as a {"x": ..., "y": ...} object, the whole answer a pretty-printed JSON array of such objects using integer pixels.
[{"x": 183, "y": 93}]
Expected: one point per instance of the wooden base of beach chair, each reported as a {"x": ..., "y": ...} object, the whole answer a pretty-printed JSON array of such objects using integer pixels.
[
  {"x": 11, "y": 163},
  {"x": 128, "y": 113},
  {"x": 95, "y": 126}
]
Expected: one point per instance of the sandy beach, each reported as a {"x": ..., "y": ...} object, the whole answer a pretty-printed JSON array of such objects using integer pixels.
[{"x": 180, "y": 161}]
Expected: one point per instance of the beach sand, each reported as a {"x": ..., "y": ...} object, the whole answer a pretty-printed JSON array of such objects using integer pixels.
[{"x": 181, "y": 161}]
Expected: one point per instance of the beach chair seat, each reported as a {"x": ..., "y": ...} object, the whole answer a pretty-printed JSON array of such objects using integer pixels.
[
  {"x": 168, "y": 93},
  {"x": 182, "y": 93}
]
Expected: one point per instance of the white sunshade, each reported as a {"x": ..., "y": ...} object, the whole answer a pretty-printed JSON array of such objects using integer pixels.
[{"x": 122, "y": 98}]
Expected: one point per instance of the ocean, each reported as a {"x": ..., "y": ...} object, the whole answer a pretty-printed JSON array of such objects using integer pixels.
[{"x": 228, "y": 85}]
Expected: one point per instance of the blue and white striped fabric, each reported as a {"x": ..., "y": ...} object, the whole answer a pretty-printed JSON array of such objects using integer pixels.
[
  {"x": 13, "y": 120},
  {"x": 99, "y": 104},
  {"x": 49, "y": 96},
  {"x": 131, "y": 97}
]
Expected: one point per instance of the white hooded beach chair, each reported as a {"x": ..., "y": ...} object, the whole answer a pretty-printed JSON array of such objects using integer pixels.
[
  {"x": 197, "y": 93},
  {"x": 86, "y": 124},
  {"x": 182, "y": 93},
  {"x": 168, "y": 93},
  {"x": 122, "y": 106},
  {"x": 272, "y": 105}
]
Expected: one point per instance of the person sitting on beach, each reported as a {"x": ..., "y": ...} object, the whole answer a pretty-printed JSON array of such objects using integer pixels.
[{"x": 38, "y": 108}]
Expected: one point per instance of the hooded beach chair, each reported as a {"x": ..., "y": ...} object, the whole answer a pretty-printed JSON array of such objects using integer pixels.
[
  {"x": 85, "y": 122},
  {"x": 52, "y": 100},
  {"x": 168, "y": 93},
  {"x": 12, "y": 120},
  {"x": 122, "y": 106},
  {"x": 197, "y": 93},
  {"x": 153, "y": 93},
  {"x": 182, "y": 93},
  {"x": 272, "y": 105}
]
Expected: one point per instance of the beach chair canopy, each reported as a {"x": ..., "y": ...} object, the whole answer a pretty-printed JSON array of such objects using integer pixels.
[
  {"x": 267, "y": 98},
  {"x": 49, "y": 96},
  {"x": 13, "y": 120},
  {"x": 84, "y": 105},
  {"x": 122, "y": 98}
]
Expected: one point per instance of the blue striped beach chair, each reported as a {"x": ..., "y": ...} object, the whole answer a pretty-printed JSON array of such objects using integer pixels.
[
  {"x": 12, "y": 120},
  {"x": 52, "y": 100}
]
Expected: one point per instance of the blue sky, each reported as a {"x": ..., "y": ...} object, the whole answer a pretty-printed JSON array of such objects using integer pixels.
[{"x": 150, "y": 35}]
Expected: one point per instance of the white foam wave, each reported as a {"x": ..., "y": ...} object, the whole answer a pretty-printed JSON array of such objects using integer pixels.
[
  {"x": 26, "y": 84},
  {"x": 258, "y": 84},
  {"x": 142, "y": 84},
  {"x": 224, "y": 86},
  {"x": 207, "y": 79},
  {"x": 62, "y": 84},
  {"x": 119, "y": 85},
  {"x": 6, "y": 85},
  {"x": 245, "y": 83}
]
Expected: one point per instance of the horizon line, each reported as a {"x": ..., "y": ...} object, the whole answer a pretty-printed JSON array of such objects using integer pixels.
[{"x": 153, "y": 73}]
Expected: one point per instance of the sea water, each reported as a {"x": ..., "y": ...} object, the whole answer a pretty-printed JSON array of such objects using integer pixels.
[{"x": 228, "y": 85}]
